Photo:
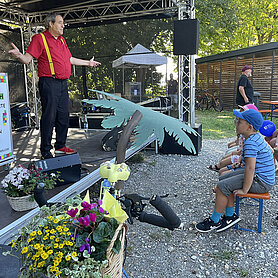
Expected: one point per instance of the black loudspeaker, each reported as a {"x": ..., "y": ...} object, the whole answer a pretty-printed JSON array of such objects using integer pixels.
[
  {"x": 171, "y": 146},
  {"x": 186, "y": 37},
  {"x": 68, "y": 165}
]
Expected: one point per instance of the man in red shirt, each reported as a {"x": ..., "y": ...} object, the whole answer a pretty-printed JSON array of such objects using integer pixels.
[{"x": 52, "y": 81}]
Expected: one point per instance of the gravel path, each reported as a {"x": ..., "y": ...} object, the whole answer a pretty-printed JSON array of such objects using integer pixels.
[{"x": 156, "y": 252}]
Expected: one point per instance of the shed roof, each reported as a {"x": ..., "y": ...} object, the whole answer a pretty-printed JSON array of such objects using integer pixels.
[{"x": 240, "y": 52}]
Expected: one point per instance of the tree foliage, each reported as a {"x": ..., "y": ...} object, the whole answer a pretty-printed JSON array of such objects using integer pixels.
[
  {"x": 109, "y": 42},
  {"x": 232, "y": 24}
]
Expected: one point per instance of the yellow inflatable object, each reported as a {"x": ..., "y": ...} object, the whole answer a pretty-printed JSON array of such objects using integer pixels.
[
  {"x": 114, "y": 172},
  {"x": 112, "y": 206}
]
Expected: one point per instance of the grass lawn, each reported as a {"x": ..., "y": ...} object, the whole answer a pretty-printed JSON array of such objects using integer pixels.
[{"x": 218, "y": 125}]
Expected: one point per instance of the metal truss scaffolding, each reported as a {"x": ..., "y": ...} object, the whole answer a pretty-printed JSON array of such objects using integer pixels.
[
  {"x": 30, "y": 72},
  {"x": 186, "y": 67}
]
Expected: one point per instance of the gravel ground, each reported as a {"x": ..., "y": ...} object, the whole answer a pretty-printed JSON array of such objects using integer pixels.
[{"x": 157, "y": 252}]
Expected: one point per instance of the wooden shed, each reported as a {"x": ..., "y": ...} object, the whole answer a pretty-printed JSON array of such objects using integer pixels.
[{"x": 219, "y": 73}]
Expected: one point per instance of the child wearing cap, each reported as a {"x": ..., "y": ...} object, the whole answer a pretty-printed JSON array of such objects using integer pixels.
[{"x": 257, "y": 176}]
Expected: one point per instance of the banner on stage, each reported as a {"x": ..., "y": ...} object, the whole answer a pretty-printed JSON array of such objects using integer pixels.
[{"x": 6, "y": 140}]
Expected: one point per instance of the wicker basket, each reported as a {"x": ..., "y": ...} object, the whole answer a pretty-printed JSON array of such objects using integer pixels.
[
  {"x": 115, "y": 261},
  {"x": 22, "y": 203}
]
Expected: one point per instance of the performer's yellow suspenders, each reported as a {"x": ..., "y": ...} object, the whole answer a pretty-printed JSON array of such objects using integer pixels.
[{"x": 48, "y": 54}]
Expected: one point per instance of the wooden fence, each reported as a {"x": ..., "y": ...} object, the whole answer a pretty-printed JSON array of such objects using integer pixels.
[{"x": 220, "y": 73}]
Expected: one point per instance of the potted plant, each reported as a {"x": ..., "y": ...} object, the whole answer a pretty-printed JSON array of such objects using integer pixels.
[
  {"x": 69, "y": 241},
  {"x": 20, "y": 183}
]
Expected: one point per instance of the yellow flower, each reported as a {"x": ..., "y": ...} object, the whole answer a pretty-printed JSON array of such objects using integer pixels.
[
  {"x": 53, "y": 231},
  {"x": 49, "y": 252},
  {"x": 33, "y": 233},
  {"x": 56, "y": 245},
  {"x": 68, "y": 258},
  {"x": 57, "y": 239},
  {"x": 74, "y": 254},
  {"x": 56, "y": 263},
  {"x": 61, "y": 246},
  {"x": 62, "y": 217},
  {"x": 44, "y": 256},
  {"x": 45, "y": 238},
  {"x": 68, "y": 233},
  {"x": 55, "y": 220},
  {"x": 39, "y": 232},
  {"x": 13, "y": 245},
  {"x": 51, "y": 237},
  {"x": 24, "y": 250},
  {"x": 62, "y": 233},
  {"x": 29, "y": 239},
  {"x": 41, "y": 264},
  {"x": 52, "y": 268},
  {"x": 37, "y": 246},
  {"x": 50, "y": 218},
  {"x": 30, "y": 267},
  {"x": 66, "y": 229}
]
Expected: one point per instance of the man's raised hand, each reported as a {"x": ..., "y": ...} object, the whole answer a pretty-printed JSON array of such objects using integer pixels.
[
  {"x": 15, "y": 51},
  {"x": 94, "y": 63}
]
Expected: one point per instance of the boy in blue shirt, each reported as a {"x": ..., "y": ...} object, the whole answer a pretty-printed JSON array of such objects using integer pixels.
[{"x": 257, "y": 175}]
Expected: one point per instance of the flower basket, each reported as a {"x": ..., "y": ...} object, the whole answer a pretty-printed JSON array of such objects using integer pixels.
[
  {"x": 22, "y": 203},
  {"x": 115, "y": 261}
]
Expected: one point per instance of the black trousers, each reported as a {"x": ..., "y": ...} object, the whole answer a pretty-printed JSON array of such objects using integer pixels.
[{"x": 55, "y": 112}]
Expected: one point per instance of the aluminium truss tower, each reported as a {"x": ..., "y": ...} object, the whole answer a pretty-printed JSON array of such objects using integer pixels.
[{"x": 186, "y": 69}]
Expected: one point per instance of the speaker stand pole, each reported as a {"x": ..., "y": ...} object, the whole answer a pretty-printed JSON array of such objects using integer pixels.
[{"x": 186, "y": 10}]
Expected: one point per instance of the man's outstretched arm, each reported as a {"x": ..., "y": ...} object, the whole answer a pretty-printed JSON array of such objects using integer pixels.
[
  {"x": 23, "y": 58},
  {"x": 80, "y": 62}
]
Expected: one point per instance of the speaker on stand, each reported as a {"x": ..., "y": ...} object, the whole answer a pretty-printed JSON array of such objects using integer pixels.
[{"x": 186, "y": 37}]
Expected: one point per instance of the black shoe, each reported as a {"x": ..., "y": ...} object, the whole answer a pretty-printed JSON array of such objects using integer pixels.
[
  {"x": 46, "y": 155},
  {"x": 227, "y": 222},
  {"x": 207, "y": 225}
]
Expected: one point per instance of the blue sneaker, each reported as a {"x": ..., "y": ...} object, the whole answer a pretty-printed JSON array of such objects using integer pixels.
[{"x": 207, "y": 225}]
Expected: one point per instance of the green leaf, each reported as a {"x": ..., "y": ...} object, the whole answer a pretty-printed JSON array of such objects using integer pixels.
[
  {"x": 102, "y": 231},
  {"x": 117, "y": 246}
]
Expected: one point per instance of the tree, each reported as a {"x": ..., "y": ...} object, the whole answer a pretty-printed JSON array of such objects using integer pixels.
[{"x": 108, "y": 42}]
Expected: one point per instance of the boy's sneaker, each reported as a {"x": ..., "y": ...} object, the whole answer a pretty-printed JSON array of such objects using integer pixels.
[
  {"x": 65, "y": 150},
  {"x": 227, "y": 222},
  {"x": 207, "y": 225}
]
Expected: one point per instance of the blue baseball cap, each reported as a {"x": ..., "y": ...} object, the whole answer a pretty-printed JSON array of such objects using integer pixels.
[{"x": 252, "y": 116}]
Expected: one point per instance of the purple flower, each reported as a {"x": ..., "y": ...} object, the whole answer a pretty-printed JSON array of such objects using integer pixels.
[
  {"x": 72, "y": 212},
  {"x": 93, "y": 217},
  {"x": 93, "y": 206},
  {"x": 101, "y": 210},
  {"x": 84, "y": 220},
  {"x": 86, "y": 206},
  {"x": 99, "y": 202},
  {"x": 82, "y": 248}
]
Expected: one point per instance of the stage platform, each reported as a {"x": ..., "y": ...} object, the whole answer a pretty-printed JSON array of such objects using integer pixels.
[{"x": 26, "y": 148}]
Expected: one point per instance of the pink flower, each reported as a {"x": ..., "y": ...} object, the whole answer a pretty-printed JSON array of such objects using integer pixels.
[
  {"x": 72, "y": 212},
  {"x": 101, "y": 210},
  {"x": 93, "y": 217},
  {"x": 86, "y": 206},
  {"x": 84, "y": 220}
]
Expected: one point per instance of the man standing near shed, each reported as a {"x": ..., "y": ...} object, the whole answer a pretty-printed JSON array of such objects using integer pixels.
[
  {"x": 245, "y": 92},
  {"x": 54, "y": 69}
]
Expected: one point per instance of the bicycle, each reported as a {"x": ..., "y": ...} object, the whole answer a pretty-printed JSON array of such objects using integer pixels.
[
  {"x": 201, "y": 100},
  {"x": 214, "y": 101},
  {"x": 205, "y": 101}
]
